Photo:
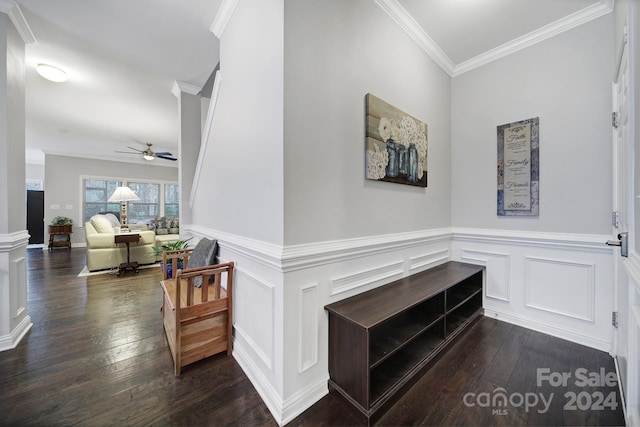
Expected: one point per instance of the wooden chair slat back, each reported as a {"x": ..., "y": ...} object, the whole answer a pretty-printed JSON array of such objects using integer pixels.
[{"x": 211, "y": 276}]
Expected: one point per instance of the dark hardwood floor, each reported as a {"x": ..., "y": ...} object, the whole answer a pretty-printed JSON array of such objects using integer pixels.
[{"x": 97, "y": 355}]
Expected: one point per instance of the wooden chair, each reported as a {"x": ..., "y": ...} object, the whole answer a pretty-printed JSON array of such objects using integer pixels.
[{"x": 197, "y": 321}]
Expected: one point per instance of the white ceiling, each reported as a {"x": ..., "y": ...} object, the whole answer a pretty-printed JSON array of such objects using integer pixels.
[{"x": 123, "y": 57}]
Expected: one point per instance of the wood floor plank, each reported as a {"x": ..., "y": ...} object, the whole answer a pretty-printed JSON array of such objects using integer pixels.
[{"x": 97, "y": 355}]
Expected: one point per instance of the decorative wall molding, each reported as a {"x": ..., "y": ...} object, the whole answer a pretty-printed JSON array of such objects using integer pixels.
[
  {"x": 497, "y": 287},
  {"x": 420, "y": 36},
  {"x": 265, "y": 355},
  {"x": 259, "y": 251},
  {"x": 299, "y": 257},
  {"x": 556, "y": 275},
  {"x": 308, "y": 332},
  {"x": 367, "y": 277},
  {"x": 553, "y": 29},
  {"x": 223, "y": 17},
  {"x": 11, "y": 241},
  {"x": 18, "y": 277},
  {"x": 21, "y": 24},
  {"x": 12, "y": 9},
  {"x": 314, "y": 274},
  {"x": 179, "y": 87},
  {"x": 404, "y": 19},
  {"x": 556, "y": 283},
  {"x": 431, "y": 259},
  {"x": 591, "y": 242}
]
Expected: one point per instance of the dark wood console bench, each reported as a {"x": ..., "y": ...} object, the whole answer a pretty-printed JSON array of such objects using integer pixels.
[{"x": 381, "y": 339}]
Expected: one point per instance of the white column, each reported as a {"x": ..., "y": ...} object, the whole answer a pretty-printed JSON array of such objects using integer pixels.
[
  {"x": 190, "y": 120},
  {"x": 14, "y": 318}
]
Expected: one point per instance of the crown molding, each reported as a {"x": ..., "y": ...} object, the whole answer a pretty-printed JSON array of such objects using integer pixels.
[
  {"x": 22, "y": 25},
  {"x": 576, "y": 19},
  {"x": 223, "y": 16},
  {"x": 179, "y": 87},
  {"x": 418, "y": 34},
  {"x": 11, "y": 8},
  {"x": 404, "y": 19}
]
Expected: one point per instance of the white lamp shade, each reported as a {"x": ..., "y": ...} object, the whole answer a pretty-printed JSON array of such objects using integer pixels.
[{"x": 123, "y": 194}]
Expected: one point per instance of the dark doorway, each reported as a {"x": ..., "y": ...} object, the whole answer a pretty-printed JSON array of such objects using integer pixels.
[{"x": 35, "y": 216}]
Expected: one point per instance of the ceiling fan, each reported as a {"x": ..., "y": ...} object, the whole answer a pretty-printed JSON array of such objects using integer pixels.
[{"x": 148, "y": 154}]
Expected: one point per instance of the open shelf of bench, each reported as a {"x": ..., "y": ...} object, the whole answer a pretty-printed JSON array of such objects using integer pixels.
[{"x": 381, "y": 339}]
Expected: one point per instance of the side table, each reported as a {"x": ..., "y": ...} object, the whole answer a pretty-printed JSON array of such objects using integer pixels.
[
  {"x": 60, "y": 230},
  {"x": 127, "y": 238}
]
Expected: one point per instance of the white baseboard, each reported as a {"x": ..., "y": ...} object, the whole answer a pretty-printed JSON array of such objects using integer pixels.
[
  {"x": 282, "y": 411},
  {"x": 269, "y": 395},
  {"x": 9, "y": 342},
  {"x": 304, "y": 399},
  {"x": 548, "y": 329}
]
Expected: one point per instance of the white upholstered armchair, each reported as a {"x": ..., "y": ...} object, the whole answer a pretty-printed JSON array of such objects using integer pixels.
[{"x": 102, "y": 251}]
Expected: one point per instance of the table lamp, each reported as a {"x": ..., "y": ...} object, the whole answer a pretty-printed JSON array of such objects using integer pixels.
[{"x": 123, "y": 195}]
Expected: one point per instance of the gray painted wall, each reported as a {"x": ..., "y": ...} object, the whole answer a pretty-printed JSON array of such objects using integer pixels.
[
  {"x": 329, "y": 69},
  {"x": 34, "y": 171},
  {"x": 12, "y": 120},
  {"x": 63, "y": 184},
  {"x": 566, "y": 81},
  {"x": 240, "y": 189}
]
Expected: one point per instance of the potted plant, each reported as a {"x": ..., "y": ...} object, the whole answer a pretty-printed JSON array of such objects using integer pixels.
[
  {"x": 171, "y": 246},
  {"x": 60, "y": 224}
]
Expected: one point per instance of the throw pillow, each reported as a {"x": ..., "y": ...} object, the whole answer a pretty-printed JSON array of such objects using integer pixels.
[
  {"x": 162, "y": 231},
  {"x": 102, "y": 224},
  {"x": 162, "y": 222},
  {"x": 202, "y": 255},
  {"x": 112, "y": 218}
]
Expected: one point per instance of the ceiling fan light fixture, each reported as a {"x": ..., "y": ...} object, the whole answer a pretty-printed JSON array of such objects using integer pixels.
[
  {"x": 148, "y": 157},
  {"x": 52, "y": 73}
]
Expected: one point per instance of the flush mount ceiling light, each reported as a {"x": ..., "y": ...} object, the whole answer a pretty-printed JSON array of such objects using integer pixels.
[{"x": 52, "y": 73}]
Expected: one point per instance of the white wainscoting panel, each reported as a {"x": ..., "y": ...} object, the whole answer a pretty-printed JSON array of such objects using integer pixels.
[
  {"x": 254, "y": 305},
  {"x": 364, "y": 278},
  {"x": 15, "y": 321},
  {"x": 19, "y": 276},
  {"x": 307, "y": 327},
  {"x": 428, "y": 260},
  {"x": 498, "y": 271},
  {"x": 556, "y": 283},
  {"x": 281, "y": 326},
  {"x": 562, "y": 287},
  {"x": 281, "y": 292}
]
